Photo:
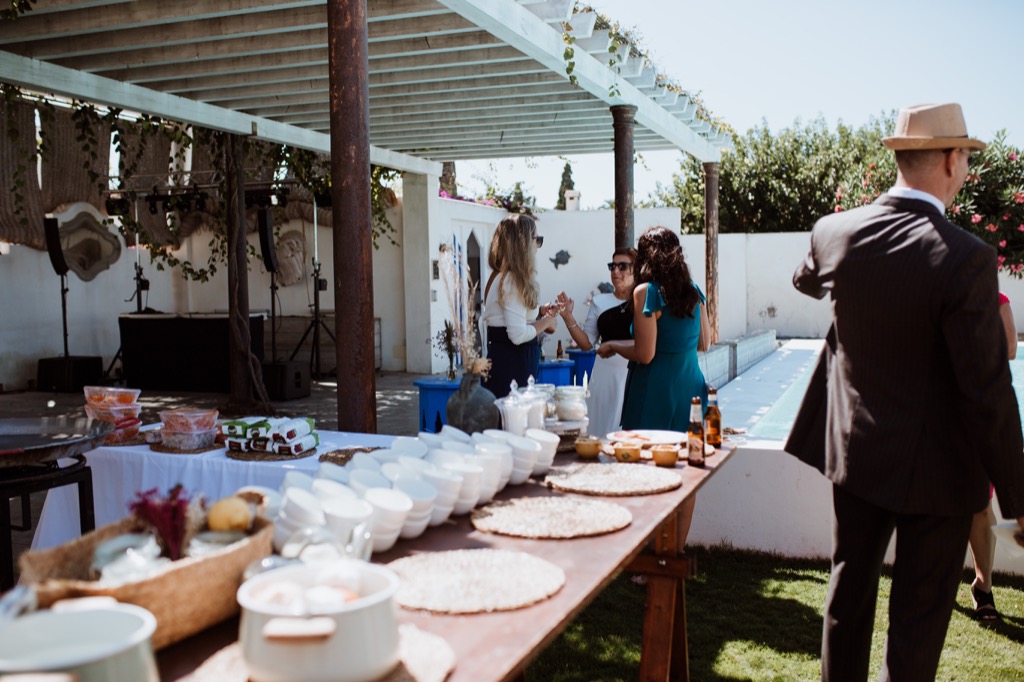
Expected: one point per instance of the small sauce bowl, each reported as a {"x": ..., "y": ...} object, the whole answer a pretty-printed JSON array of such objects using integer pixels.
[
  {"x": 588, "y": 447},
  {"x": 627, "y": 451},
  {"x": 665, "y": 455}
]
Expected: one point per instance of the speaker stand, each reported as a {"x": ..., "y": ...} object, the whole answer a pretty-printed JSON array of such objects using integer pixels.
[
  {"x": 141, "y": 284},
  {"x": 314, "y": 326}
]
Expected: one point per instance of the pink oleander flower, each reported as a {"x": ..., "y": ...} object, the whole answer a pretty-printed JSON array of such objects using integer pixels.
[
  {"x": 1002, "y": 244},
  {"x": 975, "y": 218},
  {"x": 1019, "y": 197},
  {"x": 955, "y": 208},
  {"x": 1013, "y": 156},
  {"x": 991, "y": 227},
  {"x": 839, "y": 209},
  {"x": 1001, "y": 259},
  {"x": 1020, "y": 228}
]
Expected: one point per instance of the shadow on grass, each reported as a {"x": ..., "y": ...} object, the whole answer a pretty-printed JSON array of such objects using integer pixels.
[
  {"x": 1009, "y": 626},
  {"x": 738, "y": 598}
]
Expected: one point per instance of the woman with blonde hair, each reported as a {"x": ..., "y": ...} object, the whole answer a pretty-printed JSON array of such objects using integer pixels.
[{"x": 511, "y": 303}]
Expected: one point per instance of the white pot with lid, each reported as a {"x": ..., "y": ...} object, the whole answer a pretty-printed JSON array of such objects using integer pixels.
[{"x": 353, "y": 641}]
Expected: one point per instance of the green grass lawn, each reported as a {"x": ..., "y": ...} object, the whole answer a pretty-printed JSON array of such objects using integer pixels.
[{"x": 758, "y": 617}]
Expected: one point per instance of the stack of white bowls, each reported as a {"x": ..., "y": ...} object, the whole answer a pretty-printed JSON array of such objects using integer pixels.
[
  {"x": 469, "y": 491},
  {"x": 548, "y": 447},
  {"x": 390, "y": 509},
  {"x": 525, "y": 452},
  {"x": 423, "y": 496},
  {"x": 447, "y": 484},
  {"x": 503, "y": 453},
  {"x": 300, "y": 509}
]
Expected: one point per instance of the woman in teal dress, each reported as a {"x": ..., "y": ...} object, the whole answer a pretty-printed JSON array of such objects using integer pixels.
[{"x": 670, "y": 325}]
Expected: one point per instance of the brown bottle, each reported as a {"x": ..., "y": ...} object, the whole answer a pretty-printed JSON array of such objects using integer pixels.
[
  {"x": 695, "y": 439},
  {"x": 558, "y": 351},
  {"x": 713, "y": 421}
]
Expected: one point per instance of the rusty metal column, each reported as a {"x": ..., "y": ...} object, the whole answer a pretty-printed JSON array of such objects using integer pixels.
[
  {"x": 711, "y": 244},
  {"x": 623, "y": 120},
  {"x": 347, "y": 55}
]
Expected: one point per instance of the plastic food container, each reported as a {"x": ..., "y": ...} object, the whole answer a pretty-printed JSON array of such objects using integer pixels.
[
  {"x": 188, "y": 440},
  {"x": 112, "y": 413},
  {"x": 108, "y": 395},
  {"x": 188, "y": 419}
]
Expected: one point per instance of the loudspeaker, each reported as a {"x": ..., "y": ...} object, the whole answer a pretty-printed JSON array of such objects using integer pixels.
[
  {"x": 51, "y": 229},
  {"x": 265, "y": 226}
]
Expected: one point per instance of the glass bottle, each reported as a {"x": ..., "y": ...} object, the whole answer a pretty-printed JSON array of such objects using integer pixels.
[
  {"x": 695, "y": 438},
  {"x": 558, "y": 351},
  {"x": 713, "y": 421}
]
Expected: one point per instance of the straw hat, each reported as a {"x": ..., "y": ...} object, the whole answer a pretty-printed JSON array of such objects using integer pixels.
[{"x": 931, "y": 126}]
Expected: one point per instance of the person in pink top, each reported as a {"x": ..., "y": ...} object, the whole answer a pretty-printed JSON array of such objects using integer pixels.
[{"x": 982, "y": 540}]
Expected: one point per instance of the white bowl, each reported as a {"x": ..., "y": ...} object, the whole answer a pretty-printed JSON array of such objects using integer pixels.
[
  {"x": 464, "y": 506},
  {"x": 499, "y": 435},
  {"x": 420, "y": 492},
  {"x": 412, "y": 447},
  {"x": 451, "y": 433},
  {"x": 333, "y": 472},
  {"x": 385, "y": 456},
  {"x": 364, "y": 460},
  {"x": 542, "y": 467},
  {"x": 431, "y": 440},
  {"x": 417, "y": 464},
  {"x": 459, "y": 447},
  {"x": 362, "y": 480},
  {"x": 471, "y": 473},
  {"x": 302, "y": 507},
  {"x": 525, "y": 451},
  {"x": 519, "y": 476},
  {"x": 548, "y": 441},
  {"x": 479, "y": 437},
  {"x": 343, "y": 515},
  {"x": 446, "y": 481},
  {"x": 296, "y": 479},
  {"x": 441, "y": 514},
  {"x": 326, "y": 489},
  {"x": 439, "y": 457},
  {"x": 414, "y": 528},
  {"x": 382, "y": 542},
  {"x": 390, "y": 507},
  {"x": 391, "y": 470}
]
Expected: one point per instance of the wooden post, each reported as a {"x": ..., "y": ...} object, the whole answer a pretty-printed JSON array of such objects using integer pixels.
[
  {"x": 623, "y": 120},
  {"x": 349, "y": 96},
  {"x": 711, "y": 244},
  {"x": 239, "y": 376}
]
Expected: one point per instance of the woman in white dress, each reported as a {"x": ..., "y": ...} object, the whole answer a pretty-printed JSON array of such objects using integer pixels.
[{"x": 610, "y": 319}]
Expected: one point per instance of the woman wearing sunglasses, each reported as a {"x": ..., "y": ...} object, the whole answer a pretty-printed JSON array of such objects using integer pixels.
[
  {"x": 610, "y": 319},
  {"x": 511, "y": 301}
]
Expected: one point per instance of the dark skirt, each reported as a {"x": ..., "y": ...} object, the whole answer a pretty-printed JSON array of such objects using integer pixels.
[{"x": 509, "y": 361}]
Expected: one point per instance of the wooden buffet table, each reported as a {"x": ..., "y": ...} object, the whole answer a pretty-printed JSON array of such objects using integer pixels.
[{"x": 498, "y": 646}]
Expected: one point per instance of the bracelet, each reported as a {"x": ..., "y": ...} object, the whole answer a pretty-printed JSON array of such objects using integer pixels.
[{"x": 572, "y": 326}]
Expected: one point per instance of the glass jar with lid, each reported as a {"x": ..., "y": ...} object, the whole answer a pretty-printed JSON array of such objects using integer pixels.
[{"x": 571, "y": 403}]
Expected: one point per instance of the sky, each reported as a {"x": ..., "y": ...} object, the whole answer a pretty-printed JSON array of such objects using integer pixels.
[{"x": 782, "y": 61}]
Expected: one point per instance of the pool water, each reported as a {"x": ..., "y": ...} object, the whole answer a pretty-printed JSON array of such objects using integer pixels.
[{"x": 778, "y": 420}]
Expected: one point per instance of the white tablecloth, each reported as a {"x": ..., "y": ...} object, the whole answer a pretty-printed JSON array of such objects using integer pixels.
[{"x": 120, "y": 472}]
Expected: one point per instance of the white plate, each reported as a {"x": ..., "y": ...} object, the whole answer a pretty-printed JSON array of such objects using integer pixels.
[{"x": 648, "y": 437}]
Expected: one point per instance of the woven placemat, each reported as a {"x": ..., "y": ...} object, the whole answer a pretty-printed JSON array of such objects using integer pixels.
[
  {"x": 551, "y": 517},
  {"x": 613, "y": 479},
  {"x": 423, "y": 657},
  {"x": 475, "y": 580},
  {"x": 160, "y": 447},
  {"x": 255, "y": 456},
  {"x": 341, "y": 456},
  {"x": 134, "y": 440}
]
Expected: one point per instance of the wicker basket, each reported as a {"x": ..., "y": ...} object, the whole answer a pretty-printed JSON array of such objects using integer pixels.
[{"x": 189, "y": 596}]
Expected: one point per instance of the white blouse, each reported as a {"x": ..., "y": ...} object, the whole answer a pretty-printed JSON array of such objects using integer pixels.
[{"x": 512, "y": 313}]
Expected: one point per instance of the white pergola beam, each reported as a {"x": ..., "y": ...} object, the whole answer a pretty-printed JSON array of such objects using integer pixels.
[{"x": 47, "y": 78}]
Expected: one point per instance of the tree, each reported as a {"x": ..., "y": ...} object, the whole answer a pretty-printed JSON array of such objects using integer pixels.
[{"x": 567, "y": 183}]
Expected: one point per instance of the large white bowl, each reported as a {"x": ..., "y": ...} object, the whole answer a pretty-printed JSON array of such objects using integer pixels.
[
  {"x": 417, "y": 464},
  {"x": 413, "y": 447},
  {"x": 446, "y": 481},
  {"x": 419, "y": 491},
  {"x": 328, "y": 489},
  {"x": 333, "y": 472},
  {"x": 344, "y": 514},
  {"x": 364, "y": 460},
  {"x": 389, "y": 506},
  {"x": 362, "y": 643},
  {"x": 302, "y": 507},
  {"x": 451, "y": 433},
  {"x": 459, "y": 447},
  {"x": 441, "y": 514},
  {"x": 499, "y": 435},
  {"x": 362, "y": 480},
  {"x": 432, "y": 440},
  {"x": 525, "y": 451},
  {"x": 439, "y": 457},
  {"x": 98, "y": 642},
  {"x": 382, "y": 542},
  {"x": 413, "y": 528},
  {"x": 548, "y": 441},
  {"x": 519, "y": 476},
  {"x": 296, "y": 479}
]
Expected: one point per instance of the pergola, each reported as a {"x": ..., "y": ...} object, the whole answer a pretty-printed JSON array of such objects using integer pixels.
[{"x": 405, "y": 84}]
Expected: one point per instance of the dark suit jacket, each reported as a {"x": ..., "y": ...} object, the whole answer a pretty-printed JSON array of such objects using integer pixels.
[{"x": 911, "y": 406}]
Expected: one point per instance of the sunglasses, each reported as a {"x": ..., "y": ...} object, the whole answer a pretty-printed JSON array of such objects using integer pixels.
[
  {"x": 621, "y": 267},
  {"x": 539, "y": 240},
  {"x": 972, "y": 158}
]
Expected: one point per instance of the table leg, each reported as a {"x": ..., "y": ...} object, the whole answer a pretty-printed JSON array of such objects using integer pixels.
[
  {"x": 86, "y": 512},
  {"x": 6, "y": 551}
]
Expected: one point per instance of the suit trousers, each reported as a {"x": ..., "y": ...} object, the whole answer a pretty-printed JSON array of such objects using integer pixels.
[{"x": 927, "y": 569}]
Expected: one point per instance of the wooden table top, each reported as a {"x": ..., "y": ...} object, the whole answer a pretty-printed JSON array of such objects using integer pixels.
[{"x": 498, "y": 646}]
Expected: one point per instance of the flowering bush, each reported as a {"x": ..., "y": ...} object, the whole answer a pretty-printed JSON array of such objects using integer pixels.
[{"x": 990, "y": 204}]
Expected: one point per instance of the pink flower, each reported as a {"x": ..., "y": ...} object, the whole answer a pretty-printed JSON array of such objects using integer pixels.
[
  {"x": 1002, "y": 244},
  {"x": 1019, "y": 197},
  {"x": 1020, "y": 228},
  {"x": 1013, "y": 156},
  {"x": 955, "y": 208},
  {"x": 839, "y": 209},
  {"x": 975, "y": 218},
  {"x": 1001, "y": 259},
  {"x": 864, "y": 183},
  {"x": 991, "y": 227}
]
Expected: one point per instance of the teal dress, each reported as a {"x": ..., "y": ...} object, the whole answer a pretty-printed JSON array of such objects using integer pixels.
[{"x": 658, "y": 394}]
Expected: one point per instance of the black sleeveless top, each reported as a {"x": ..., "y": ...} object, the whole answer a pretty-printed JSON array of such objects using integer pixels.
[{"x": 616, "y": 323}]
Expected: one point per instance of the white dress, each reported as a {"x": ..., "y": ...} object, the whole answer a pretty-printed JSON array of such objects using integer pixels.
[{"x": 607, "y": 383}]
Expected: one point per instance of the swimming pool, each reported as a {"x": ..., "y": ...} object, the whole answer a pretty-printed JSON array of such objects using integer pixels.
[{"x": 774, "y": 422}]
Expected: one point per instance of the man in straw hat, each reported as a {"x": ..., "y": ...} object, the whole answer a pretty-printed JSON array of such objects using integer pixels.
[{"x": 910, "y": 411}]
